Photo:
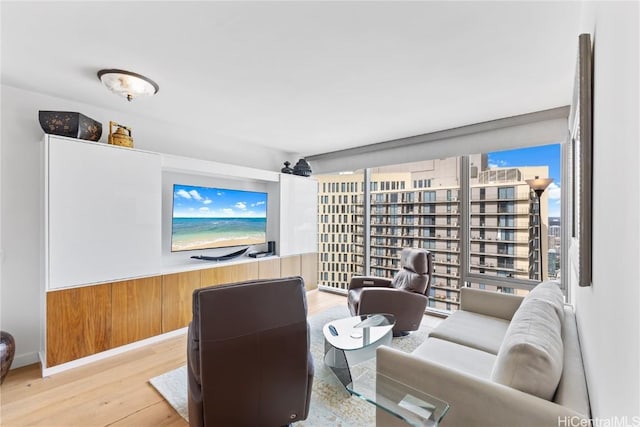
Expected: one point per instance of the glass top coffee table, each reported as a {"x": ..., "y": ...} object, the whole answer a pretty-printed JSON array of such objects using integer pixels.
[{"x": 353, "y": 340}]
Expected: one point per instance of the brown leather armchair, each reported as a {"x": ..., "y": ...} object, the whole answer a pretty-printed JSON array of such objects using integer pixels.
[
  {"x": 248, "y": 354},
  {"x": 405, "y": 296}
]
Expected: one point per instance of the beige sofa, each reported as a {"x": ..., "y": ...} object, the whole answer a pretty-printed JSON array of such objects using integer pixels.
[{"x": 501, "y": 360}]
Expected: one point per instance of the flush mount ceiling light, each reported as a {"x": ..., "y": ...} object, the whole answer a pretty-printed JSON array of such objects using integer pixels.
[{"x": 128, "y": 84}]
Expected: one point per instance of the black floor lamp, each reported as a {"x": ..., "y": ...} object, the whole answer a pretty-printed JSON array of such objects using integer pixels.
[{"x": 538, "y": 185}]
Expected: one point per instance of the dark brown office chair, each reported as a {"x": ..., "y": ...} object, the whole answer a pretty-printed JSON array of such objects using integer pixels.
[
  {"x": 248, "y": 354},
  {"x": 405, "y": 296}
]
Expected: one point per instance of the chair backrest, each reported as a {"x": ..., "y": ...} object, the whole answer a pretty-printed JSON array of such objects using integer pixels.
[
  {"x": 254, "y": 349},
  {"x": 416, "y": 270}
]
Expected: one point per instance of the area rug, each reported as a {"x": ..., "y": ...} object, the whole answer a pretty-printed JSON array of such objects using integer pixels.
[{"x": 331, "y": 405}]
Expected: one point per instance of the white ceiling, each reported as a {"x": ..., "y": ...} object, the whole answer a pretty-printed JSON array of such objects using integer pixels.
[{"x": 305, "y": 77}]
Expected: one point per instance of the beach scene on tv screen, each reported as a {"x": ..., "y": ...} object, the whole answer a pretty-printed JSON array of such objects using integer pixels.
[{"x": 206, "y": 218}]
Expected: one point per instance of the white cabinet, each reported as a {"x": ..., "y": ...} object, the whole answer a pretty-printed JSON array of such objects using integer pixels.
[
  {"x": 102, "y": 212},
  {"x": 103, "y": 225},
  {"x": 298, "y": 215}
]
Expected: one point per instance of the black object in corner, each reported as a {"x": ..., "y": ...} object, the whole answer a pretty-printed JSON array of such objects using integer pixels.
[{"x": 221, "y": 258}]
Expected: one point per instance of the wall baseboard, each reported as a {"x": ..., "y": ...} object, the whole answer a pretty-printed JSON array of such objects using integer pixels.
[
  {"x": 108, "y": 353},
  {"x": 26, "y": 359}
]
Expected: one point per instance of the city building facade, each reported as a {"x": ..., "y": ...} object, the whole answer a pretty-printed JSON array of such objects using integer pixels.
[{"x": 419, "y": 205}]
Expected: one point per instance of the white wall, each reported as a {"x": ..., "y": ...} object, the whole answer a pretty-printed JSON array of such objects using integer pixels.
[
  {"x": 20, "y": 295},
  {"x": 608, "y": 311}
]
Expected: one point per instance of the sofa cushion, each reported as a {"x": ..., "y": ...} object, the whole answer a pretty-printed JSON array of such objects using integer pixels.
[
  {"x": 550, "y": 292},
  {"x": 455, "y": 356},
  {"x": 473, "y": 330},
  {"x": 531, "y": 356}
]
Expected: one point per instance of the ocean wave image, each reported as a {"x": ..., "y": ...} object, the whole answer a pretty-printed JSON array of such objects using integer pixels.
[{"x": 206, "y": 233}]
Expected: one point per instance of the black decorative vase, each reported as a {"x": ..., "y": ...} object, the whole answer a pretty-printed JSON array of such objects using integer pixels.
[
  {"x": 302, "y": 168},
  {"x": 286, "y": 168},
  {"x": 7, "y": 351}
]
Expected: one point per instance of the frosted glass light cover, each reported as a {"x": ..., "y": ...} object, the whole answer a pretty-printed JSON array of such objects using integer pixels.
[{"x": 127, "y": 84}]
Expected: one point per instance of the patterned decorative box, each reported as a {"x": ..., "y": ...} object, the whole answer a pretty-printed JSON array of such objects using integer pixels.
[{"x": 67, "y": 123}]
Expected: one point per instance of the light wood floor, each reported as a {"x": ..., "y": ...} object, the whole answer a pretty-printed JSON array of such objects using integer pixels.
[{"x": 111, "y": 392}]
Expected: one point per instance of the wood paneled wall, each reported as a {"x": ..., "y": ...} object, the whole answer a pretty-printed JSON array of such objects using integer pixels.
[
  {"x": 91, "y": 319},
  {"x": 177, "y": 301},
  {"x": 136, "y": 310},
  {"x": 269, "y": 269},
  {"x": 78, "y": 323},
  {"x": 305, "y": 265},
  {"x": 229, "y": 274}
]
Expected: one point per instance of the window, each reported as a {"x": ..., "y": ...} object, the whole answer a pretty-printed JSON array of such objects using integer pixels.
[
  {"x": 511, "y": 215},
  {"x": 505, "y": 192},
  {"x": 506, "y": 221},
  {"x": 506, "y": 249},
  {"x": 420, "y": 204},
  {"x": 506, "y": 235},
  {"x": 429, "y": 196},
  {"x": 505, "y": 263},
  {"x": 506, "y": 207}
]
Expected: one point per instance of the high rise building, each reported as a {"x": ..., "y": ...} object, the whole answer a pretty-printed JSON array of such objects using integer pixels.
[
  {"x": 553, "y": 263},
  {"x": 418, "y": 205},
  {"x": 340, "y": 229},
  {"x": 504, "y": 230}
]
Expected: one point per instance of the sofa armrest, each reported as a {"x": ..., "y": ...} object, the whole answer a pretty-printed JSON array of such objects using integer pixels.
[
  {"x": 494, "y": 304},
  {"x": 369, "y": 281},
  {"x": 473, "y": 401}
]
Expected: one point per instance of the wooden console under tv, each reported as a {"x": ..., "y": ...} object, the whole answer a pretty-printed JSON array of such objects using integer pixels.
[{"x": 93, "y": 319}]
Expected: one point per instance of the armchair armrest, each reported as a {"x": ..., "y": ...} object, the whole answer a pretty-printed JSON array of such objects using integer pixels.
[
  {"x": 193, "y": 353},
  {"x": 369, "y": 281},
  {"x": 310, "y": 375},
  {"x": 472, "y": 400},
  {"x": 489, "y": 303}
]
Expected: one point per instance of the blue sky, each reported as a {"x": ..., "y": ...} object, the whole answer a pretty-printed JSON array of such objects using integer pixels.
[
  {"x": 545, "y": 155},
  {"x": 205, "y": 202}
]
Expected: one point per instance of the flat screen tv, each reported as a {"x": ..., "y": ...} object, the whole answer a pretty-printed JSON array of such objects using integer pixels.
[{"x": 208, "y": 218}]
